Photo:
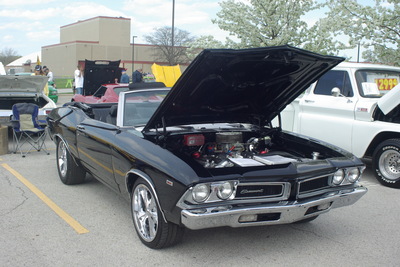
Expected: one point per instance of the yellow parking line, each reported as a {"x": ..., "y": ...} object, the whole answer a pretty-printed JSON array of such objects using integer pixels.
[{"x": 65, "y": 216}]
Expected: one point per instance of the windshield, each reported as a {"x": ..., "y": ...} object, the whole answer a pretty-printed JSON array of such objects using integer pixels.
[
  {"x": 375, "y": 83},
  {"x": 139, "y": 106}
]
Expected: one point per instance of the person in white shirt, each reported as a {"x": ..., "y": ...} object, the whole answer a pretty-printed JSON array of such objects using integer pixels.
[
  {"x": 78, "y": 74},
  {"x": 48, "y": 73}
]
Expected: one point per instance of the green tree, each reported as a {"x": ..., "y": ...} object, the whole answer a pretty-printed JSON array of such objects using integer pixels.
[
  {"x": 274, "y": 22},
  {"x": 8, "y": 55},
  {"x": 165, "y": 51},
  {"x": 203, "y": 42},
  {"x": 376, "y": 27}
]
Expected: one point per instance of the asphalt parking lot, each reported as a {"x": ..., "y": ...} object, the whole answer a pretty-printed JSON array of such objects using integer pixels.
[{"x": 45, "y": 223}]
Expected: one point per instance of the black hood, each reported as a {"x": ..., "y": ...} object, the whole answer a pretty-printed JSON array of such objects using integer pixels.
[
  {"x": 244, "y": 86},
  {"x": 98, "y": 72}
]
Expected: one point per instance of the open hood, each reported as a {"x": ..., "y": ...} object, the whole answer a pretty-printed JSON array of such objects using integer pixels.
[
  {"x": 243, "y": 86},
  {"x": 98, "y": 72},
  {"x": 390, "y": 100},
  {"x": 22, "y": 84}
]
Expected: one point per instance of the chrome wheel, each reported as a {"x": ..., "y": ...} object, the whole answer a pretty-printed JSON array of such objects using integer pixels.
[
  {"x": 145, "y": 213},
  {"x": 62, "y": 158},
  {"x": 389, "y": 164}
]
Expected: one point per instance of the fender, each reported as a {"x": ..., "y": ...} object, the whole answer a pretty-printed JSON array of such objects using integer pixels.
[{"x": 145, "y": 177}]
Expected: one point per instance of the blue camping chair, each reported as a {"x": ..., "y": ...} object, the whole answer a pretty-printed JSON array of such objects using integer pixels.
[{"x": 26, "y": 129}]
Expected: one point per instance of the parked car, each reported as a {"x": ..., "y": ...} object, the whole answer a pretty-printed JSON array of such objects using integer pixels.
[
  {"x": 53, "y": 93},
  {"x": 96, "y": 74},
  {"x": 354, "y": 106},
  {"x": 204, "y": 154},
  {"x": 18, "y": 89},
  {"x": 109, "y": 93}
]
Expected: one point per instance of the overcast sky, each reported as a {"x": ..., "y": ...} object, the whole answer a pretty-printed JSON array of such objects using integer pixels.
[{"x": 27, "y": 25}]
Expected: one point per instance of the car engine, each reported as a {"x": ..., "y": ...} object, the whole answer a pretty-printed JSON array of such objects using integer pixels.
[{"x": 228, "y": 149}]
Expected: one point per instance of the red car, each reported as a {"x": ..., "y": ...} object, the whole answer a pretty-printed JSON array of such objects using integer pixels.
[
  {"x": 106, "y": 93},
  {"x": 99, "y": 86},
  {"x": 109, "y": 93}
]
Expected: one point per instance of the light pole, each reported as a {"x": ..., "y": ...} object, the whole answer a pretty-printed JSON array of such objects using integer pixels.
[
  {"x": 133, "y": 52},
  {"x": 173, "y": 22},
  {"x": 173, "y": 26}
]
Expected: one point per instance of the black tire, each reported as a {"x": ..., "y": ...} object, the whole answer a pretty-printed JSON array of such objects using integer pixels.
[
  {"x": 148, "y": 220},
  {"x": 70, "y": 173},
  {"x": 307, "y": 220},
  {"x": 386, "y": 163}
]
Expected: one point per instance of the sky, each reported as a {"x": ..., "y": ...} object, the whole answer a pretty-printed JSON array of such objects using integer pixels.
[{"x": 27, "y": 25}]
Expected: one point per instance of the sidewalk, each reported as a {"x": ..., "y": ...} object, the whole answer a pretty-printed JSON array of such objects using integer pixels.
[{"x": 65, "y": 91}]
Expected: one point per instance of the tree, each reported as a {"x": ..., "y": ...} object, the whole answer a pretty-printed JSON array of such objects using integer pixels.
[
  {"x": 164, "y": 51},
  {"x": 375, "y": 27},
  {"x": 203, "y": 42},
  {"x": 273, "y": 22},
  {"x": 8, "y": 55}
]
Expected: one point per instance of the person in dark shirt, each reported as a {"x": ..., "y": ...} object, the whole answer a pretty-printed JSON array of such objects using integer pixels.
[{"x": 137, "y": 76}]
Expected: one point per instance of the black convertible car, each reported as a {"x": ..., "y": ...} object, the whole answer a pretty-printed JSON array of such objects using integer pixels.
[{"x": 206, "y": 153}]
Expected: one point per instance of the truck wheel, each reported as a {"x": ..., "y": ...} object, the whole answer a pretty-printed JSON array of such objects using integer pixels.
[
  {"x": 149, "y": 223},
  {"x": 70, "y": 173},
  {"x": 386, "y": 163}
]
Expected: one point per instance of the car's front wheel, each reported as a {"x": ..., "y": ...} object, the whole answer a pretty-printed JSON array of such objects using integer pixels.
[
  {"x": 386, "y": 163},
  {"x": 69, "y": 172},
  {"x": 149, "y": 223}
]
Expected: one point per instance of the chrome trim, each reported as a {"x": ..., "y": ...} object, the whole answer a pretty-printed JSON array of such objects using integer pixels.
[
  {"x": 145, "y": 177},
  {"x": 285, "y": 192},
  {"x": 287, "y": 212},
  {"x": 67, "y": 146},
  {"x": 187, "y": 202}
]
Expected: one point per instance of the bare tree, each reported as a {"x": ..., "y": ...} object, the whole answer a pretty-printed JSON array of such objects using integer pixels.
[
  {"x": 164, "y": 51},
  {"x": 8, "y": 55}
]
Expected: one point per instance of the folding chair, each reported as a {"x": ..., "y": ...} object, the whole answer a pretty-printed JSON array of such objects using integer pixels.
[{"x": 26, "y": 129}]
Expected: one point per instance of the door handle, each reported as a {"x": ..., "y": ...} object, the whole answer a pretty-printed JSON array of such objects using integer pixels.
[
  {"x": 309, "y": 101},
  {"x": 80, "y": 128}
]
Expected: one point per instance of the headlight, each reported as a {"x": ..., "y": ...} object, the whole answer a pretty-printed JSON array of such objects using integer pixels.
[
  {"x": 201, "y": 192},
  {"x": 353, "y": 175},
  {"x": 224, "y": 190},
  {"x": 338, "y": 177}
]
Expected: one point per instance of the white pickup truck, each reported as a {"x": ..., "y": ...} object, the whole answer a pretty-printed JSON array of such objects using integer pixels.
[{"x": 354, "y": 106}]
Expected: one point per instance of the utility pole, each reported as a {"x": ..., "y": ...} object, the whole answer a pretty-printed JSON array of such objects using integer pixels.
[
  {"x": 173, "y": 28},
  {"x": 133, "y": 52}
]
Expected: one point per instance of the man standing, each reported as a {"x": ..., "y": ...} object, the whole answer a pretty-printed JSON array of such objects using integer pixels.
[
  {"x": 48, "y": 73},
  {"x": 78, "y": 74},
  {"x": 137, "y": 76},
  {"x": 124, "y": 77}
]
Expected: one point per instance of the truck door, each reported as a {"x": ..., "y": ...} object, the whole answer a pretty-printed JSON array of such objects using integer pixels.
[{"x": 327, "y": 117}]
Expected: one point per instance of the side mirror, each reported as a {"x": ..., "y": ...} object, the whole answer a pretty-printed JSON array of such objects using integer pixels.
[{"x": 336, "y": 92}]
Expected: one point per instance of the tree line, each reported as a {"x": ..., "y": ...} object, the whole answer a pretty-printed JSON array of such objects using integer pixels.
[{"x": 347, "y": 24}]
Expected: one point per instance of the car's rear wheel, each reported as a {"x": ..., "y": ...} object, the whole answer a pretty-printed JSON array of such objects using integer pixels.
[
  {"x": 386, "y": 163},
  {"x": 149, "y": 223},
  {"x": 69, "y": 172}
]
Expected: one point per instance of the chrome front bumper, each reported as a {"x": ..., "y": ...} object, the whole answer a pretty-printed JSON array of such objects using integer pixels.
[{"x": 268, "y": 214}]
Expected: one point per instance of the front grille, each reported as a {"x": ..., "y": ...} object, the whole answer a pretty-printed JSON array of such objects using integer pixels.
[
  {"x": 265, "y": 190},
  {"x": 313, "y": 185}
]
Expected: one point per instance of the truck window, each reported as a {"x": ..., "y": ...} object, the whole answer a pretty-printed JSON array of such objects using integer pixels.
[
  {"x": 332, "y": 79},
  {"x": 384, "y": 79}
]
